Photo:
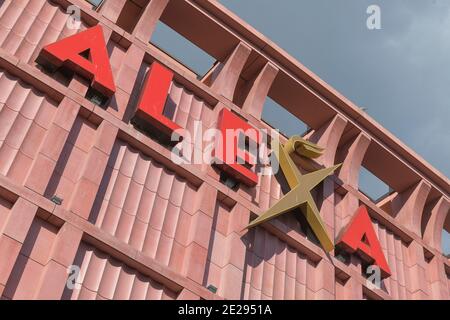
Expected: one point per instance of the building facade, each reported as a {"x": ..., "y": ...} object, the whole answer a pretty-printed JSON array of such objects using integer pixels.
[{"x": 92, "y": 205}]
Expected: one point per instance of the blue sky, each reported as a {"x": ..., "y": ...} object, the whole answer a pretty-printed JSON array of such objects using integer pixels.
[{"x": 400, "y": 74}]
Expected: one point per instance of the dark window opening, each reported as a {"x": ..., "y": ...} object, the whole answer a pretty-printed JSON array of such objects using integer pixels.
[
  {"x": 371, "y": 186},
  {"x": 86, "y": 54},
  {"x": 130, "y": 14},
  {"x": 95, "y": 3},
  {"x": 446, "y": 243},
  {"x": 229, "y": 181},
  {"x": 153, "y": 133},
  {"x": 61, "y": 74},
  {"x": 182, "y": 50},
  {"x": 279, "y": 118},
  {"x": 342, "y": 255},
  {"x": 96, "y": 97}
]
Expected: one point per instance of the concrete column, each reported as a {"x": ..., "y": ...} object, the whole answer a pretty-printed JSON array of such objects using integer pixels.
[
  {"x": 432, "y": 236},
  {"x": 234, "y": 254},
  {"x": 54, "y": 277},
  {"x": 351, "y": 289},
  {"x": 87, "y": 187},
  {"x": 200, "y": 232},
  {"x": 417, "y": 283},
  {"x": 52, "y": 146},
  {"x": 437, "y": 278},
  {"x": 125, "y": 80},
  {"x": 13, "y": 236}
]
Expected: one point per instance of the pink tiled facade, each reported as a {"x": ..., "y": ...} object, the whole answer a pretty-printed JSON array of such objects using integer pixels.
[{"x": 139, "y": 226}]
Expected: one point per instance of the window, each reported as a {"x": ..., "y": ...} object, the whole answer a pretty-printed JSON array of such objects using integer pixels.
[
  {"x": 96, "y": 97},
  {"x": 371, "y": 186},
  {"x": 130, "y": 15},
  {"x": 279, "y": 118},
  {"x": 182, "y": 50},
  {"x": 446, "y": 243},
  {"x": 95, "y": 3}
]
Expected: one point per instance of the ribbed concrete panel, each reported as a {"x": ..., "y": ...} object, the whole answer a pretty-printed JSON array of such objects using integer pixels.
[
  {"x": 274, "y": 270},
  {"x": 24, "y": 280},
  {"x": 71, "y": 162},
  {"x": 187, "y": 108},
  {"x": 268, "y": 267},
  {"x": 143, "y": 217},
  {"x": 268, "y": 191},
  {"x": 183, "y": 107},
  {"x": 25, "y": 117},
  {"x": 104, "y": 277},
  {"x": 145, "y": 205},
  {"x": 26, "y": 26},
  {"x": 395, "y": 251},
  {"x": 219, "y": 249}
]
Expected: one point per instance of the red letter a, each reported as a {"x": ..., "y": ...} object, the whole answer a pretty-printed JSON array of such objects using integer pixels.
[
  {"x": 69, "y": 52},
  {"x": 360, "y": 236}
]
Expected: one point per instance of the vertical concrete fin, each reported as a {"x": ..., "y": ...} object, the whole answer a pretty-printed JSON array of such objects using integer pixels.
[
  {"x": 254, "y": 102},
  {"x": 409, "y": 206},
  {"x": 147, "y": 23},
  {"x": 225, "y": 76},
  {"x": 353, "y": 159},
  {"x": 433, "y": 230},
  {"x": 329, "y": 135}
]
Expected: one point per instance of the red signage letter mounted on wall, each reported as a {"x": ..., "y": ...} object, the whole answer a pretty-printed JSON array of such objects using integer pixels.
[
  {"x": 153, "y": 99},
  {"x": 360, "y": 236},
  {"x": 227, "y": 149},
  {"x": 69, "y": 52}
]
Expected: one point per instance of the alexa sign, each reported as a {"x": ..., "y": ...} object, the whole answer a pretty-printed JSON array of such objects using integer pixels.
[{"x": 85, "y": 53}]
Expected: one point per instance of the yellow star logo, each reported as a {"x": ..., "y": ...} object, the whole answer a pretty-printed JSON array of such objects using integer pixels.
[{"x": 301, "y": 186}]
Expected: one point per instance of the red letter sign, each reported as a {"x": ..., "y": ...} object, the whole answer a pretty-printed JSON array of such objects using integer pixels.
[
  {"x": 227, "y": 149},
  {"x": 360, "y": 236},
  {"x": 68, "y": 52},
  {"x": 153, "y": 98}
]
